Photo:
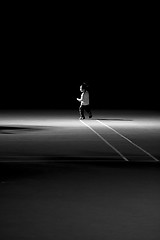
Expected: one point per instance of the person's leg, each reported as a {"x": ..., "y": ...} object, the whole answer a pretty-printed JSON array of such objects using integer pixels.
[
  {"x": 88, "y": 110},
  {"x": 81, "y": 112}
]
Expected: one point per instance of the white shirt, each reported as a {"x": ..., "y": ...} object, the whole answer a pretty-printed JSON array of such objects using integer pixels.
[{"x": 85, "y": 98}]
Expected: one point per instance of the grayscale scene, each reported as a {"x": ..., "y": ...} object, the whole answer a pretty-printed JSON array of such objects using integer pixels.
[{"x": 79, "y": 124}]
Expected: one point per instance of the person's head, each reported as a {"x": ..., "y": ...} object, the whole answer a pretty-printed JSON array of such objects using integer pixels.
[{"x": 83, "y": 87}]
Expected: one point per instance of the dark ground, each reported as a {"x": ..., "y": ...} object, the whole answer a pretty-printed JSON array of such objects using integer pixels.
[{"x": 80, "y": 201}]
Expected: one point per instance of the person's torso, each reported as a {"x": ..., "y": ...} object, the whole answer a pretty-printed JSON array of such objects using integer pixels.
[{"x": 85, "y": 98}]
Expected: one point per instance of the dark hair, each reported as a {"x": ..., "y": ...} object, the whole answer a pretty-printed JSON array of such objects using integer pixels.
[{"x": 84, "y": 86}]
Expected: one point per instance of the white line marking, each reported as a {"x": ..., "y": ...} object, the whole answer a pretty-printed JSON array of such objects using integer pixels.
[
  {"x": 128, "y": 140},
  {"x": 104, "y": 140}
]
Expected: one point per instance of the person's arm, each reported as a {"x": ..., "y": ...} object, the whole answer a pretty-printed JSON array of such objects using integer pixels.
[{"x": 80, "y": 99}]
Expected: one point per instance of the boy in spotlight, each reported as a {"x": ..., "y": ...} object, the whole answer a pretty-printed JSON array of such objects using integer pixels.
[{"x": 84, "y": 102}]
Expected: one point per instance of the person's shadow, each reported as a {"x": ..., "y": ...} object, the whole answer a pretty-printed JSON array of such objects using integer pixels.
[{"x": 113, "y": 119}]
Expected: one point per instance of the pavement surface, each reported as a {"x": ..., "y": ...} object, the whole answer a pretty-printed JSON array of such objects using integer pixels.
[{"x": 61, "y": 178}]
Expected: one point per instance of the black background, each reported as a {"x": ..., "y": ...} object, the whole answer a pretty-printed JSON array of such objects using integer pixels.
[{"x": 47, "y": 53}]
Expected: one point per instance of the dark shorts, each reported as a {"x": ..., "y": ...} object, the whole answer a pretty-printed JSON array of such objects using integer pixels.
[{"x": 86, "y": 108}]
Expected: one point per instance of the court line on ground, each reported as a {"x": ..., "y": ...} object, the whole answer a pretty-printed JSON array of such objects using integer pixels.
[
  {"x": 106, "y": 142},
  {"x": 147, "y": 153}
]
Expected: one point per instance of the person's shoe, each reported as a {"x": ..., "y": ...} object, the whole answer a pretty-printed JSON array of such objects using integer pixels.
[{"x": 81, "y": 118}]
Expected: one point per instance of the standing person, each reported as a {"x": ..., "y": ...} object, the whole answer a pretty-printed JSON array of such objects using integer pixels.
[{"x": 84, "y": 101}]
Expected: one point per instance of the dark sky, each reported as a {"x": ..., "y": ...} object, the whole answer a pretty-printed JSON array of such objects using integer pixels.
[{"x": 46, "y": 59}]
